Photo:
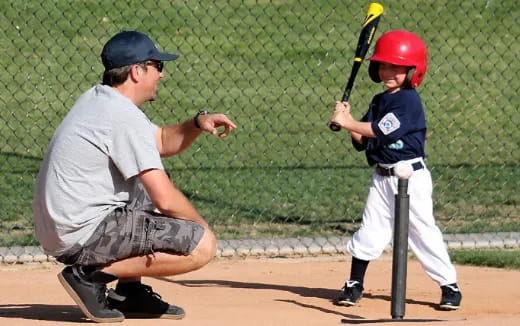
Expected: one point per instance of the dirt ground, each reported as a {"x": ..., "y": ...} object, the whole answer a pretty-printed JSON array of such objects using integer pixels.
[{"x": 275, "y": 292}]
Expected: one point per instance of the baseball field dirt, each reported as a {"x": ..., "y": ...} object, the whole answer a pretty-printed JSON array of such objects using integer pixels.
[{"x": 275, "y": 291}]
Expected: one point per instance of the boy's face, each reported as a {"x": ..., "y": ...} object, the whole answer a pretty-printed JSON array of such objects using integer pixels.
[{"x": 393, "y": 76}]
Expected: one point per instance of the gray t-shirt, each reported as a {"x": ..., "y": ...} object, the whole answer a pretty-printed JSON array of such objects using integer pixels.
[{"x": 90, "y": 167}]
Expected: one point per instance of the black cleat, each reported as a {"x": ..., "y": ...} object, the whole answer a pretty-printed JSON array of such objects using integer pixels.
[
  {"x": 88, "y": 290},
  {"x": 451, "y": 297},
  {"x": 137, "y": 300},
  {"x": 352, "y": 293}
]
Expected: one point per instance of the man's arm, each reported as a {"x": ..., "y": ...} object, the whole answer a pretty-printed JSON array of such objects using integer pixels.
[
  {"x": 174, "y": 139},
  {"x": 167, "y": 198}
]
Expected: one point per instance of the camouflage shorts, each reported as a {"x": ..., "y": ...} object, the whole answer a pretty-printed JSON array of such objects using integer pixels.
[{"x": 129, "y": 232}]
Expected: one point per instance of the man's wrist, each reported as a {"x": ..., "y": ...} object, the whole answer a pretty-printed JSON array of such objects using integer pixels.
[{"x": 196, "y": 119}]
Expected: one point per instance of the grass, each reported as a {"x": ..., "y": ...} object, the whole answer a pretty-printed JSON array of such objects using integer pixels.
[
  {"x": 276, "y": 67},
  {"x": 500, "y": 258}
]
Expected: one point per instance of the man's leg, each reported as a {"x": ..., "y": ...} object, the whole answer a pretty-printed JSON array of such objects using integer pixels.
[
  {"x": 166, "y": 264},
  {"x": 137, "y": 300},
  {"x": 130, "y": 244}
]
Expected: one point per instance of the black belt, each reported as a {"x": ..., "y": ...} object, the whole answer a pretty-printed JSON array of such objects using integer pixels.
[{"x": 387, "y": 172}]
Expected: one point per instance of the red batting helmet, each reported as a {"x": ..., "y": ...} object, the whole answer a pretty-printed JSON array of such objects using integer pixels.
[{"x": 401, "y": 48}]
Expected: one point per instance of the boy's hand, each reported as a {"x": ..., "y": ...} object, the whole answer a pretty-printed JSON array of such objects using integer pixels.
[{"x": 341, "y": 113}]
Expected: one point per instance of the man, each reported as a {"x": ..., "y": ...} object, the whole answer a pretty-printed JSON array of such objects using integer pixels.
[{"x": 104, "y": 204}]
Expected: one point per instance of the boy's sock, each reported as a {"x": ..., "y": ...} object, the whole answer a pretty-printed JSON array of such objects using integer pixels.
[{"x": 358, "y": 269}]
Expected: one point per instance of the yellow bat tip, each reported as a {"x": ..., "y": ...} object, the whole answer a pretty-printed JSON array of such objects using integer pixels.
[{"x": 374, "y": 10}]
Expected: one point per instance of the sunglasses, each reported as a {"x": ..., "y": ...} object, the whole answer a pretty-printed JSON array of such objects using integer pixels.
[{"x": 159, "y": 65}]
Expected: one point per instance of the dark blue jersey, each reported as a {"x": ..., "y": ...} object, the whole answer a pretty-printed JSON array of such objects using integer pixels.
[{"x": 400, "y": 126}]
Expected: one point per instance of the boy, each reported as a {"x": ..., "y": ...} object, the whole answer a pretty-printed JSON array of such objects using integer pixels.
[{"x": 394, "y": 130}]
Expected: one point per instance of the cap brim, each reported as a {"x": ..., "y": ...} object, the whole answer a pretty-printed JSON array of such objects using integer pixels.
[{"x": 164, "y": 57}]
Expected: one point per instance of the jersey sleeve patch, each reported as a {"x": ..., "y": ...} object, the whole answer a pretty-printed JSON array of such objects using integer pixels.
[{"x": 389, "y": 123}]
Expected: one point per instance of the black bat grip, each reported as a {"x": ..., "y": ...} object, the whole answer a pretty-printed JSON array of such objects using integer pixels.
[{"x": 334, "y": 126}]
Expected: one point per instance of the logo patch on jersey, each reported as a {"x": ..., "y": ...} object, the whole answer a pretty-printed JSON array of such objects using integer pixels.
[
  {"x": 389, "y": 123},
  {"x": 397, "y": 145}
]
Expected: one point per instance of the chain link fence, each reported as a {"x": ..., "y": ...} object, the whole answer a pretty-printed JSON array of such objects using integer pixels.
[{"x": 276, "y": 68}]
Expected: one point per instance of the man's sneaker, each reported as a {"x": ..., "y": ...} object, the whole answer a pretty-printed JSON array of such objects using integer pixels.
[
  {"x": 88, "y": 290},
  {"x": 352, "y": 293},
  {"x": 136, "y": 300},
  {"x": 451, "y": 297}
]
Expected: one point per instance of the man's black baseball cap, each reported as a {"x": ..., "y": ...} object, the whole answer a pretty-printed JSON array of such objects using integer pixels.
[{"x": 129, "y": 47}]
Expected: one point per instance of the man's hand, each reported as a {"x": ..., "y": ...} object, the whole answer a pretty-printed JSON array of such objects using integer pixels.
[{"x": 211, "y": 122}]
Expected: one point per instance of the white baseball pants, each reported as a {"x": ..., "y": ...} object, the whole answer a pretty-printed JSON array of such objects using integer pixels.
[{"x": 424, "y": 237}]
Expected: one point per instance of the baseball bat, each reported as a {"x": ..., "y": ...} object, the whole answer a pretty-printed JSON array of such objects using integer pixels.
[{"x": 368, "y": 29}]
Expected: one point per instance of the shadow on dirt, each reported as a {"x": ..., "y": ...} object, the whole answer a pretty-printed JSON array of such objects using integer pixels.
[
  {"x": 321, "y": 293},
  {"x": 408, "y": 301},
  {"x": 66, "y": 313},
  {"x": 300, "y": 290}
]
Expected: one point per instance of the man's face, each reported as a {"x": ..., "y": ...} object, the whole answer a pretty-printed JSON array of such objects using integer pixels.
[{"x": 151, "y": 78}]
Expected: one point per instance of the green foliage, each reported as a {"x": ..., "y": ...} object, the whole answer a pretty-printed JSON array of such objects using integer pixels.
[{"x": 276, "y": 68}]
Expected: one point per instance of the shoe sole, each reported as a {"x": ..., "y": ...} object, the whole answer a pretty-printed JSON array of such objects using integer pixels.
[
  {"x": 147, "y": 316},
  {"x": 82, "y": 306},
  {"x": 346, "y": 303},
  {"x": 449, "y": 307}
]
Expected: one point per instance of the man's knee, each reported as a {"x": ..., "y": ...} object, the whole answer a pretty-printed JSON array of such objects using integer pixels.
[{"x": 206, "y": 249}]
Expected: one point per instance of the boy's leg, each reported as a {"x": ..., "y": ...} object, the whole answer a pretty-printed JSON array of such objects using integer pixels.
[
  {"x": 353, "y": 289},
  {"x": 370, "y": 240},
  {"x": 426, "y": 240},
  {"x": 375, "y": 233},
  {"x": 358, "y": 269}
]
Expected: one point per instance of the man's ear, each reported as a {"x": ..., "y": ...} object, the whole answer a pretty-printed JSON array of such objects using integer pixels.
[{"x": 135, "y": 73}]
